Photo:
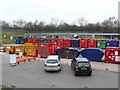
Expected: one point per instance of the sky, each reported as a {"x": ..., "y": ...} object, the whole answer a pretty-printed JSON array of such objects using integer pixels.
[{"x": 67, "y": 10}]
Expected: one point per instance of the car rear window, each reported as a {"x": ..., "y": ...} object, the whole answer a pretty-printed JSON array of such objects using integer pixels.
[
  {"x": 83, "y": 64},
  {"x": 52, "y": 61}
]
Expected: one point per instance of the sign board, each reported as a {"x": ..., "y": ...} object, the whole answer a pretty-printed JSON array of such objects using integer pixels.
[{"x": 12, "y": 59}]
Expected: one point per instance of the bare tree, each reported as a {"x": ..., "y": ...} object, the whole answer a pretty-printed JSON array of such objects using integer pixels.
[
  {"x": 54, "y": 22},
  {"x": 82, "y": 21}
]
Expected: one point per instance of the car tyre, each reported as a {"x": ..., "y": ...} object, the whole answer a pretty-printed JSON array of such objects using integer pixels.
[
  {"x": 90, "y": 73},
  {"x": 71, "y": 66},
  {"x": 75, "y": 73},
  {"x": 60, "y": 70}
]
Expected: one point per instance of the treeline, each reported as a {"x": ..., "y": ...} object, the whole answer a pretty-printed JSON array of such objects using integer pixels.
[{"x": 110, "y": 25}]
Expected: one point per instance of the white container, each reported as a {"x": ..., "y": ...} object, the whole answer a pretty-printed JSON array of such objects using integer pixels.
[
  {"x": 12, "y": 60},
  {"x": 20, "y": 53}
]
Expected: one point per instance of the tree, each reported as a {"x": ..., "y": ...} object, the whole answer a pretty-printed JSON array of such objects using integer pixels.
[
  {"x": 82, "y": 21},
  {"x": 111, "y": 24},
  {"x": 54, "y": 22},
  {"x": 4, "y": 24}
]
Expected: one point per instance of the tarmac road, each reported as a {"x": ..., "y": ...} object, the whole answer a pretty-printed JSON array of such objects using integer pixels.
[{"x": 32, "y": 75}]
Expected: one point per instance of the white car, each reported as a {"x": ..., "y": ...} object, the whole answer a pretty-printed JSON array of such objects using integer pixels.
[{"x": 52, "y": 63}]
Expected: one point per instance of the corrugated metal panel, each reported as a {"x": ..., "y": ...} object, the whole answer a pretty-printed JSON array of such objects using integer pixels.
[
  {"x": 23, "y": 40},
  {"x": 28, "y": 44},
  {"x": 47, "y": 40},
  {"x": 30, "y": 51},
  {"x": 92, "y": 43},
  {"x": 112, "y": 55},
  {"x": 92, "y": 54},
  {"x": 40, "y": 40},
  {"x": 83, "y": 43},
  {"x": 30, "y": 40},
  {"x": 35, "y": 40},
  {"x": 67, "y": 43},
  {"x": 113, "y": 43},
  {"x": 43, "y": 49},
  {"x": 101, "y": 44},
  {"x": 17, "y": 41},
  {"x": 74, "y": 43}
]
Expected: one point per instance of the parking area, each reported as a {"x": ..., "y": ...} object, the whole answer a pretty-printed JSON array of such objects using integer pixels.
[{"x": 32, "y": 75}]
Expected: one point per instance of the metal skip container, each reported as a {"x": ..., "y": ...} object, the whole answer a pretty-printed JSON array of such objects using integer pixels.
[
  {"x": 67, "y": 53},
  {"x": 101, "y": 44},
  {"x": 12, "y": 60},
  {"x": 74, "y": 43},
  {"x": 92, "y": 54},
  {"x": 112, "y": 43},
  {"x": 112, "y": 55}
]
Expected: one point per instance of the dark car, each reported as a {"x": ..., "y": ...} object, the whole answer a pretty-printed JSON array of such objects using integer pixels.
[{"x": 81, "y": 66}]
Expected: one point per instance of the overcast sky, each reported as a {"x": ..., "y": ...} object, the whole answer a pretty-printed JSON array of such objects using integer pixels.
[{"x": 68, "y": 10}]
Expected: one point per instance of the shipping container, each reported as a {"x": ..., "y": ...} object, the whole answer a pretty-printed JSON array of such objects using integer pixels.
[
  {"x": 36, "y": 45},
  {"x": 101, "y": 44},
  {"x": 53, "y": 40},
  {"x": 30, "y": 40},
  {"x": 67, "y": 53},
  {"x": 44, "y": 49},
  {"x": 14, "y": 38},
  {"x": 23, "y": 40},
  {"x": 58, "y": 40},
  {"x": 92, "y": 43},
  {"x": 92, "y": 54},
  {"x": 35, "y": 40},
  {"x": 47, "y": 40},
  {"x": 74, "y": 43},
  {"x": 112, "y": 55},
  {"x": 67, "y": 43},
  {"x": 112, "y": 43},
  {"x": 30, "y": 51},
  {"x": 28, "y": 44},
  {"x": 57, "y": 46},
  {"x": 40, "y": 40},
  {"x": 83, "y": 43},
  {"x": 17, "y": 41}
]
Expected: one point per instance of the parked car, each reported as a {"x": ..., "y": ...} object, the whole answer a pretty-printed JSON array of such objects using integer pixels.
[
  {"x": 81, "y": 66},
  {"x": 52, "y": 63}
]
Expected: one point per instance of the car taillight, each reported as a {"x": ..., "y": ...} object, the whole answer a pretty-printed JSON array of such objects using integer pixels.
[
  {"x": 58, "y": 65},
  {"x": 76, "y": 68},
  {"x": 45, "y": 65},
  {"x": 90, "y": 68}
]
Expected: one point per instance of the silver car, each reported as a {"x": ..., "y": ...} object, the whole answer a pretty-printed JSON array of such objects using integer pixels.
[{"x": 52, "y": 63}]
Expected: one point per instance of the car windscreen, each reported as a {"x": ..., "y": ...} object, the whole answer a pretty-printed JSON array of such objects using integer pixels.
[
  {"x": 51, "y": 61},
  {"x": 83, "y": 64}
]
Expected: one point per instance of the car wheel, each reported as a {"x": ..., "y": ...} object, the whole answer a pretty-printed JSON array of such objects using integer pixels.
[
  {"x": 71, "y": 65},
  {"x": 60, "y": 70},
  {"x": 90, "y": 73},
  {"x": 75, "y": 73},
  {"x": 46, "y": 71}
]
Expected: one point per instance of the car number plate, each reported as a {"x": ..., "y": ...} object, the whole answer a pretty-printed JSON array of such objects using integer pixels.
[{"x": 83, "y": 68}]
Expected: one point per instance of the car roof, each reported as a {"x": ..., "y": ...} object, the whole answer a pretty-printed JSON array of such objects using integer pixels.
[
  {"x": 52, "y": 57},
  {"x": 82, "y": 60}
]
